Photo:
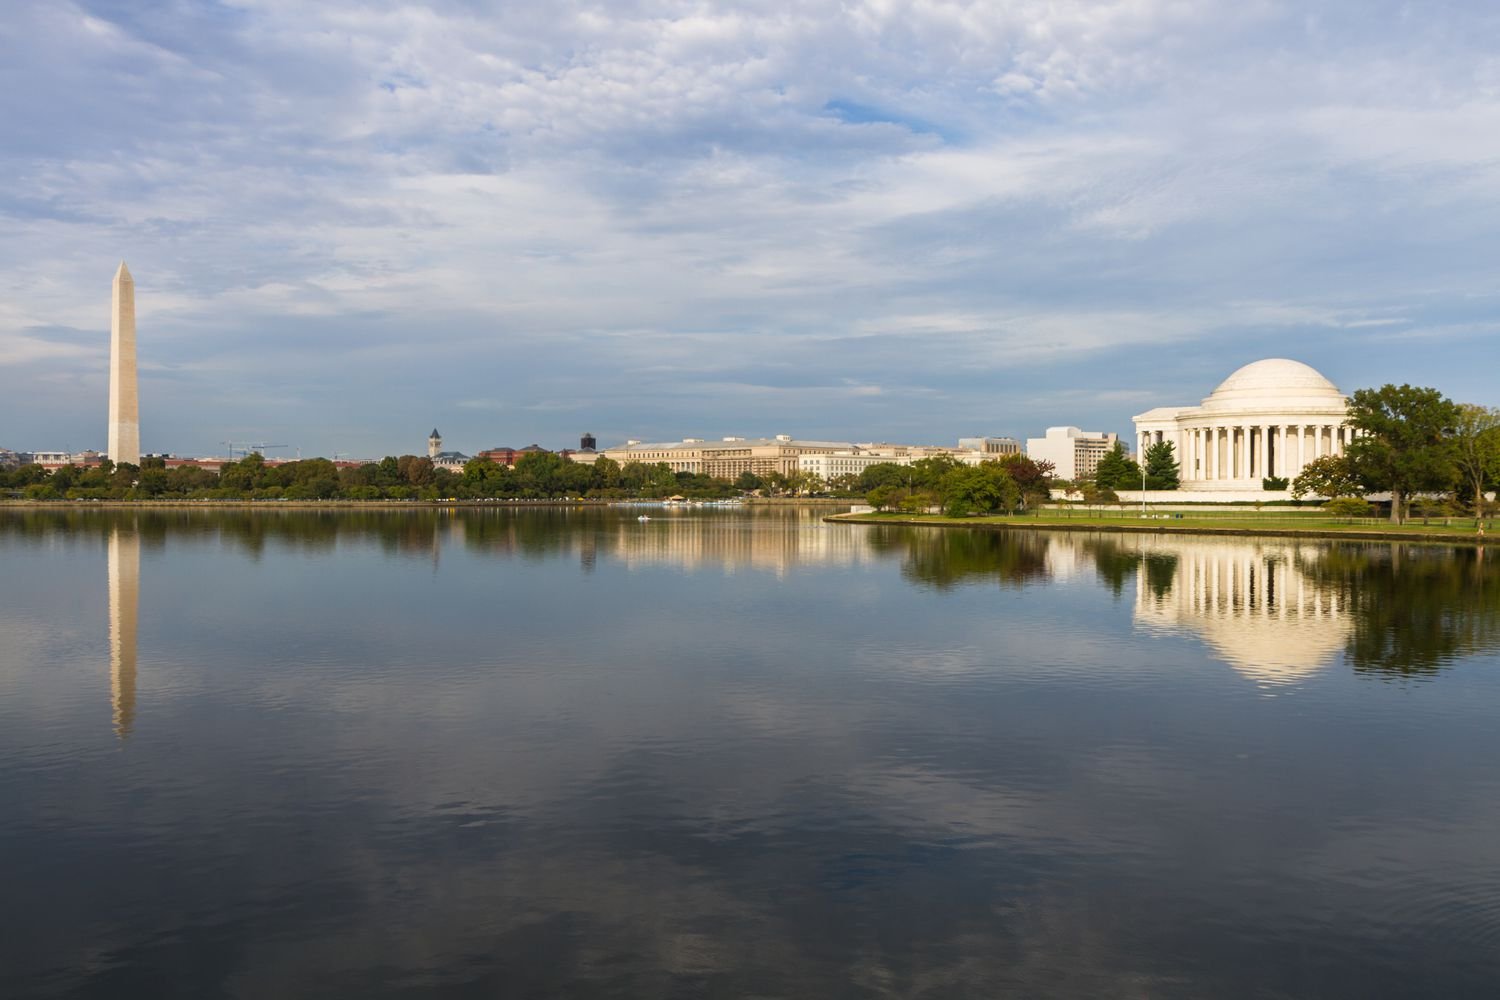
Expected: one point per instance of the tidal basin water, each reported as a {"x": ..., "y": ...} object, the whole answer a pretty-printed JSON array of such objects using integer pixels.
[{"x": 567, "y": 753}]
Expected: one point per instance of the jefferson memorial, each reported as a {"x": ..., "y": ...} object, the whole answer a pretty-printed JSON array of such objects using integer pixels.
[{"x": 1270, "y": 418}]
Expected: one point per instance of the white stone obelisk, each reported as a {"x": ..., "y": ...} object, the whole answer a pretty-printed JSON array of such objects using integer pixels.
[{"x": 124, "y": 400}]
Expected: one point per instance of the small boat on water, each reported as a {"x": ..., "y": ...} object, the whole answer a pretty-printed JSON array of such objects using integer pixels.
[{"x": 643, "y": 517}]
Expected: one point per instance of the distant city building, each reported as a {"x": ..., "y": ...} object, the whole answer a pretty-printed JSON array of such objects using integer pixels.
[
  {"x": 587, "y": 443},
  {"x": 10, "y": 459},
  {"x": 508, "y": 456},
  {"x": 1269, "y": 418},
  {"x": 995, "y": 446},
  {"x": 902, "y": 454},
  {"x": 1074, "y": 453},
  {"x": 450, "y": 460},
  {"x": 727, "y": 457},
  {"x": 844, "y": 463},
  {"x": 59, "y": 459}
]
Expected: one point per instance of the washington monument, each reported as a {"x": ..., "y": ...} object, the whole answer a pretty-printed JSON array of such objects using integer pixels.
[{"x": 124, "y": 401}]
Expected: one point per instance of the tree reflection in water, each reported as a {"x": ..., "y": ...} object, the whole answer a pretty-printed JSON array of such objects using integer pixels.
[
  {"x": 1395, "y": 608},
  {"x": 1415, "y": 608}
]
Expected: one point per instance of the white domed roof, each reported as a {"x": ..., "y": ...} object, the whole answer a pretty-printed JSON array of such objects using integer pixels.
[{"x": 1275, "y": 382}]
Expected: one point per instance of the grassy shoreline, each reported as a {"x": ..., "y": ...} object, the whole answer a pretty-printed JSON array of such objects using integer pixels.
[{"x": 1241, "y": 527}]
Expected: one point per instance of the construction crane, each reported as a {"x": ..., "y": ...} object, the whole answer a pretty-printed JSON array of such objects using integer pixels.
[{"x": 247, "y": 449}]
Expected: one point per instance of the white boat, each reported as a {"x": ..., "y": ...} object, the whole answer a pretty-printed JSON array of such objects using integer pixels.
[{"x": 643, "y": 517}]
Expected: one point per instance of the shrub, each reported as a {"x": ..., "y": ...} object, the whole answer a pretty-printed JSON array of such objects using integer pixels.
[{"x": 1349, "y": 507}]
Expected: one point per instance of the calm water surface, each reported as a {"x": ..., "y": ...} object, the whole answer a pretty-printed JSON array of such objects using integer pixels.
[{"x": 732, "y": 754}]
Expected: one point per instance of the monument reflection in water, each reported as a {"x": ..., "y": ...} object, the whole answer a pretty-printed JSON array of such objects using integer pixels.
[
  {"x": 564, "y": 752},
  {"x": 124, "y": 617}
]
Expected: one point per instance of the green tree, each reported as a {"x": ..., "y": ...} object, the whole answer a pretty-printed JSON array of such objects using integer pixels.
[
  {"x": 884, "y": 474},
  {"x": 929, "y": 473},
  {"x": 28, "y": 475},
  {"x": 153, "y": 481},
  {"x": 1034, "y": 478},
  {"x": 1161, "y": 466},
  {"x": 1117, "y": 470},
  {"x": 1405, "y": 444},
  {"x": 390, "y": 472},
  {"x": 979, "y": 489},
  {"x": 1331, "y": 476},
  {"x": 605, "y": 475},
  {"x": 1476, "y": 446},
  {"x": 882, "y": 497},
  {"x": 415, "y": 470},
  {"x": 846, "y": 484},
  {"x": 748, "y": 481},
  {"x": 242, "y": 477}
]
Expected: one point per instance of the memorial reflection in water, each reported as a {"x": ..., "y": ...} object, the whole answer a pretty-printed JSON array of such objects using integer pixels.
[{"x": 1252, "y": 603}]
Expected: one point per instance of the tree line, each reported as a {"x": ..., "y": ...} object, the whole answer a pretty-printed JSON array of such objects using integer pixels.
[
  {"x": 542, "y": 475},
  {"x": 1008, "y": 484},
  {"x": 1413, "y": 443}
]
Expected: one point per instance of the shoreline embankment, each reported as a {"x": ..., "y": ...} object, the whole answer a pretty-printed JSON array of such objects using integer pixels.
[
  {"x": 1416, "y": 533},
  {"x": 484, "y": 504}
]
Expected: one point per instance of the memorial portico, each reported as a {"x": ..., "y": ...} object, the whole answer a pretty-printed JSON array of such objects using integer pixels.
[{"x": 1269, "y": 418}]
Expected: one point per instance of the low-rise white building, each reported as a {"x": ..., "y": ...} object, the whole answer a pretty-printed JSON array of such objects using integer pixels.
[
  {"x": 844, "y": 463},
  {"x": 1074, "y": 453},
  {"x": 991, "y": 446}
]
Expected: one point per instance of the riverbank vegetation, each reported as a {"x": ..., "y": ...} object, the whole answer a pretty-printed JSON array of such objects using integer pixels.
[{"x": 536, "y": 476}]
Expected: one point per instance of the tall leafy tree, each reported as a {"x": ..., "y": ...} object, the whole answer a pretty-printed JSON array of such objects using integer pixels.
[
  {"x": 1476, "y": 447},
  {"x": 1405, "y": 444},
  {"x": 1161, "y": 466},
  {"x": 979, "y": 489},
  {"x": 1034, "y": 478},
  {"x": 1117, "y": 471}
]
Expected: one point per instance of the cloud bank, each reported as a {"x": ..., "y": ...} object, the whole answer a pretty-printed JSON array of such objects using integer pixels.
[{"x": 884, "y": 219}]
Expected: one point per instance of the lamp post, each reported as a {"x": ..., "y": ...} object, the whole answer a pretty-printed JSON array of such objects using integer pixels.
[{"x": 1143, "y": 484}]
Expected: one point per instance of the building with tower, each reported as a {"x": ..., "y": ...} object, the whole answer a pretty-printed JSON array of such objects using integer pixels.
[{"x": 451, "y": 460}]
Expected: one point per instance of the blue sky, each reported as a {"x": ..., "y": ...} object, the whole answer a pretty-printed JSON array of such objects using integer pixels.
[{"x": 888, "y": 219}]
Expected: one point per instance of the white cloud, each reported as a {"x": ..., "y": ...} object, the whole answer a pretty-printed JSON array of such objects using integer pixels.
[{"x": 761, "y": 195}]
